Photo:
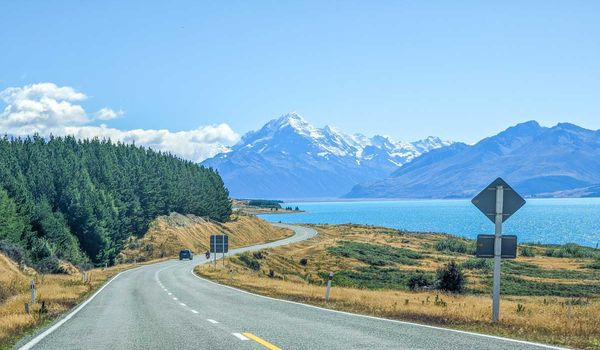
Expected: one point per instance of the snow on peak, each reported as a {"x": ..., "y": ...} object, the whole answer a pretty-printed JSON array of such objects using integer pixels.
[{"x": 278, "y": 135}]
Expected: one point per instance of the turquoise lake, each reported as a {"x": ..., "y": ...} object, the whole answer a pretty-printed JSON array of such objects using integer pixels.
[{"x": 556, "y": 221}]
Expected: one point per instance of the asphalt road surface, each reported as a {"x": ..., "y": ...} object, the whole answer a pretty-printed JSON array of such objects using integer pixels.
[{"x": 165, "y": 306}]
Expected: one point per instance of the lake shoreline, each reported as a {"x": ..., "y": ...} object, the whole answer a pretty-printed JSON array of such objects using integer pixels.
[{"x": 547, "y": 221}]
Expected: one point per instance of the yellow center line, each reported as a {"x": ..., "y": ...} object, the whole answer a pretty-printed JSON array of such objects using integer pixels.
[{"x": 261, "y": 341}]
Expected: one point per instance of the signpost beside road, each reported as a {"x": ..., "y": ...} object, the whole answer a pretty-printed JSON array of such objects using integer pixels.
[
  {"x": 219, "y": 244},
  {"x": 498, "y": 202}
]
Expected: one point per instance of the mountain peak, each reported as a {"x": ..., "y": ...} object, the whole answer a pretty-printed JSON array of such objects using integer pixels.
[
  {"x": 290, "y": 158},
  {"x": 293, "y": 120}
]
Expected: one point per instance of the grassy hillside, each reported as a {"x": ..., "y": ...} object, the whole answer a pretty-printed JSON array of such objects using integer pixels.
[
  {"x": 550, "y": 295},
  {"x": 169, "y": 234}
]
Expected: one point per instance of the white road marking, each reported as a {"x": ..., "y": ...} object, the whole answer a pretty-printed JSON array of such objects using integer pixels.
[
  {"x": 212, "y": 321},
  {"x": 48, "y": 331},
  {"x": 170, "y": 293},
  {"x": 239, "y": 336},
  {"x": 194, "y": 311},
  {"x": 182, "y": 304},
  {"x": 174, "y": 298}
]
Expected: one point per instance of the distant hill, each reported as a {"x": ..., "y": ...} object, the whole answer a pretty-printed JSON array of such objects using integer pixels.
[
  {"x": 289, "y": 158},
  {"x": 563, "y": 160}
]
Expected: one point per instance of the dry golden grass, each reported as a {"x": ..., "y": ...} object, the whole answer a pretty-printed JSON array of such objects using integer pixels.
[
  {"x": 58, "y": 292},
  {"x": 169, "y": 234},
  {"x": 543, "y": 319}
]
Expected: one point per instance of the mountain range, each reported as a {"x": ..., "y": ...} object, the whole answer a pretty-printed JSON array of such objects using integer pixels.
[
  {"x": 288, "y": 158},
  {"x": 558, "y": 161}
]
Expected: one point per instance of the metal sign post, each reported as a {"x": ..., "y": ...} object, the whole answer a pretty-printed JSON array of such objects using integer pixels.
[
  {"x": 497, "y": 253},
  {"x": 497, "y": 202},
  {"x": 219, "y": 244}
]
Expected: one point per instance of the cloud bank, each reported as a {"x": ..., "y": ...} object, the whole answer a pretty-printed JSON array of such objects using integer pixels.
[{"x": 48, "y": 109}]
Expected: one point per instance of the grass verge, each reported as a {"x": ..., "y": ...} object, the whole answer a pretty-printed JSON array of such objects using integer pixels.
[{"x": 546, "y": 298}]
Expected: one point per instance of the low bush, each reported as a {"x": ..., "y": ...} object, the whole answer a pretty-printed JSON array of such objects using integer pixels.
[
  {"x": 418, "y": 280},
  {"x": 572, "y": 250},
  {"x": 478, "y": 264},
  {"x": 454, "y": 245},
  {"x": 376, "y": 255},
  {"x": 15, "y": 252},
  {"x": 373, "y": 277},
  {"x": 451, "y": 278},
  {"x": 49, "y": 264},
  {"x": 526, "y": 251},
  {"x": 249, "y": 261},
  {"x": 595, "y": 265},
  {"x": 259, "y": 255}
]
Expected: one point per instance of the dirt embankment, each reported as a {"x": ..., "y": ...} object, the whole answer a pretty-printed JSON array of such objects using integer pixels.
[{"x": 169, "y": 234}]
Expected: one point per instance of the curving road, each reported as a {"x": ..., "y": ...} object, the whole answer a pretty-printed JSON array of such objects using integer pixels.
[{"x": 165, "y": 306}]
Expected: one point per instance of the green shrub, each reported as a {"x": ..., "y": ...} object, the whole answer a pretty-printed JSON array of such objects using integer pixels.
[
  {"x": 249, "y": 261},
  {"x": 451, "y": 278},
  {"x": 48, "y": 264},
  {"x": 595, "y": 265},
  {"x": 526, "y": 251},
  {"x": 375, "y": 254},
  {"x": 418, "y": 280},
  {"x": 15, "y": 252},
  {"x": 478, "y": 264},
  {"x": 373, "y": 277},
  {"x": 454, "y": 245},
  {"x": 571, "y": 250},
  {"x": 259, "y": 255}
]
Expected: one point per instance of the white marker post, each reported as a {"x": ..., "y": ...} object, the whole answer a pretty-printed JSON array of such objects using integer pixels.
[
  {"x": 328, "y": 287},
  {"x": 32, "y": 292},
  {"x": 215, "y": 246},
  {"x": 497, "y": 254}
]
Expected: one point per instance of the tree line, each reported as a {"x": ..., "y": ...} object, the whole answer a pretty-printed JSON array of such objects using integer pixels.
[{"x": 78, "y": 200}]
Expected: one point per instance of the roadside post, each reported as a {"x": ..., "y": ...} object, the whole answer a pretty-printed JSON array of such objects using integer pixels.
[
  {"x": 219, "y": 244},
  {"x": 213, "y": 249},
  {"x": 328, "y": 290},
  {"x": 498, "y": 201},
  {"x": 32, "y": 292}
]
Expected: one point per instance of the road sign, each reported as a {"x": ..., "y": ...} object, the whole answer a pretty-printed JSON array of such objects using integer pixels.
[
  {"x": 485, "y": 246},
  {"x": 498, "y": 201},
  {"x": 219, "y": 243},
  {"x": 486, "y": 200}
]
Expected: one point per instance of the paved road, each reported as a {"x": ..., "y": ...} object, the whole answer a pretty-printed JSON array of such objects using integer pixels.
[{"x": 165, "y": 306}]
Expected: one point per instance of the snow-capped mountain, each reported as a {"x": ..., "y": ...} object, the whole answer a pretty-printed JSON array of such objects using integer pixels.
[
  {"x": 290, "y": 158},
  {"x": 558, "y": 161}
]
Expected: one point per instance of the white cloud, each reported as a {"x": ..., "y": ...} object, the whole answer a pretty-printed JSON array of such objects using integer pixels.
[
  {"x": 49, "y": 109},
  {"x": 108, "y": 114}
]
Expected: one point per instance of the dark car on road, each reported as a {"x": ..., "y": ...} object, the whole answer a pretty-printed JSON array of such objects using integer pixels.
[{"x": 186, "y": 254}]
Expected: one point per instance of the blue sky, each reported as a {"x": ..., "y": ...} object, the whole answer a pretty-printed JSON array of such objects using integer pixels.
[{"x": 460, "y": 70}]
